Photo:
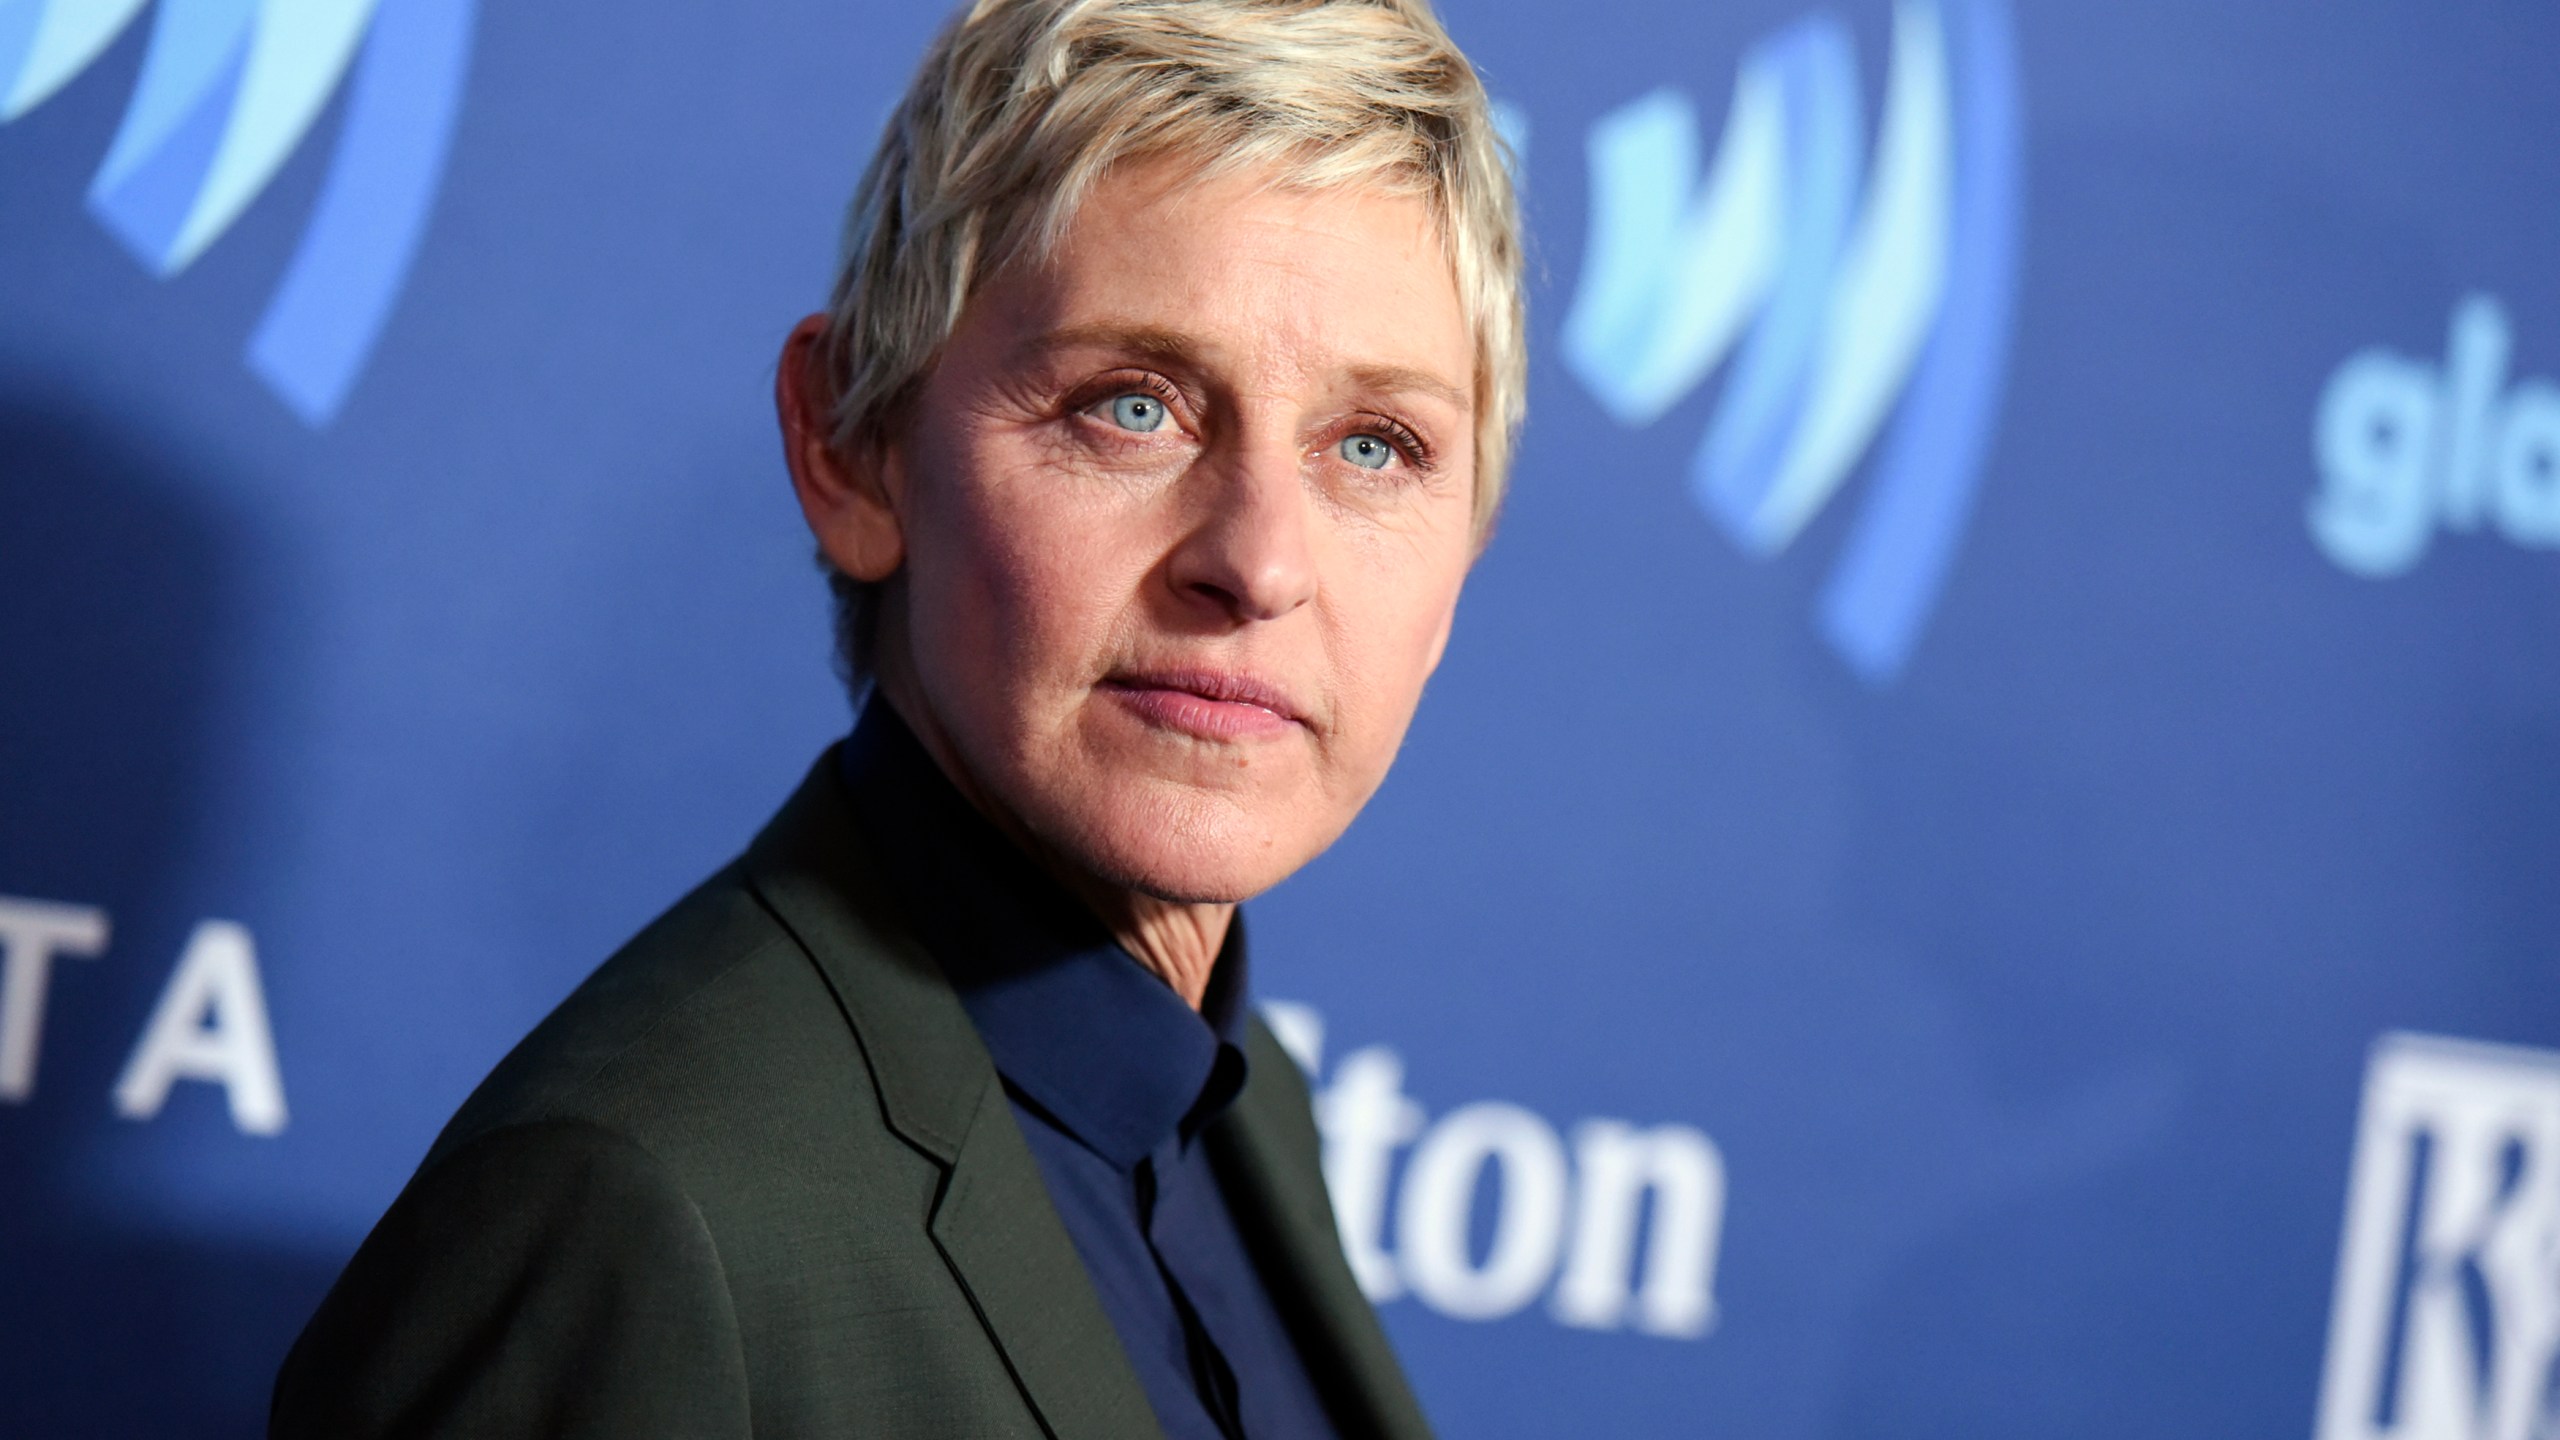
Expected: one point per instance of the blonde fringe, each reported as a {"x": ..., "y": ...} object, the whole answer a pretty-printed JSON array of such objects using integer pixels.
[{"x": 1022, "y": 106}]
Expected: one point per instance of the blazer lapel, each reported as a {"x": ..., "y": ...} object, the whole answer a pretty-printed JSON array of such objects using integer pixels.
[
  {"x": 993, "y": 1220},
  {"x": 1268, "y": 1159},
  {"x": 1002, "y": 1236}
]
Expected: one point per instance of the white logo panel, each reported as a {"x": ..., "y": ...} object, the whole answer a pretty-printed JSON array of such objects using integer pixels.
[{"x": 2446, "y": 1321}]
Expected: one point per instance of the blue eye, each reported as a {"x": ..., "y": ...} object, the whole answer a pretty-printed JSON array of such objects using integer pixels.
[
  {"x": 1137, "y": 411},
  {"x": 1367, "y": 451}
]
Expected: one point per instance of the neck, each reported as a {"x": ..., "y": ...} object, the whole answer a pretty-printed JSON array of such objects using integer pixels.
[{"x": 1177, "y": 941}]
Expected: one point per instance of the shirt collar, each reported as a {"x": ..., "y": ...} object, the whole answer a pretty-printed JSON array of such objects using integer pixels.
[{"x": 1074, "y": 1023}]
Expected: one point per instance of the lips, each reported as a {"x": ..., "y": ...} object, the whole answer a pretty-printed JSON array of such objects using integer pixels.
[{"x": 1207, "y": 704}]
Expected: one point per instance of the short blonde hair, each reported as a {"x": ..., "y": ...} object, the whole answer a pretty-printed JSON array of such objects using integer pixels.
[{"x": 1021, "y": 106}]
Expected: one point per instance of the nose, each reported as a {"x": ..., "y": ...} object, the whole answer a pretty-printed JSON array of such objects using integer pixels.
[{"x": 1248, "y": 552}]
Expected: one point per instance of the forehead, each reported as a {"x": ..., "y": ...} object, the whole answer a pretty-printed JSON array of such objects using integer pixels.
[{"x": 1242, "y": 270}]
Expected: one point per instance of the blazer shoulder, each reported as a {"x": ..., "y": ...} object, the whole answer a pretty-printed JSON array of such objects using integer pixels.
[
  {"x": 712, "y": 1014},
  {"x": 724, "y": 1094},
  {"x": 518, "y": 1252}
]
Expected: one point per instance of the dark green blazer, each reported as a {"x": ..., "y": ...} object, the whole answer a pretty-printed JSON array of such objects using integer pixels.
[{"x": 757, "y": 1177}]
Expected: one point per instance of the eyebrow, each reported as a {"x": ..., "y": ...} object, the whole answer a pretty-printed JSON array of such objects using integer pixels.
[
  {"x": 1143, "y": 339},
  {"x": 1175, "y": 347},
  {"x": 1404, "y": 379}
]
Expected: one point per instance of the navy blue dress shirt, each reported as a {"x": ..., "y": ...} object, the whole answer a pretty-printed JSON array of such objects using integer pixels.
[{"x": 1112, "y": 1077}]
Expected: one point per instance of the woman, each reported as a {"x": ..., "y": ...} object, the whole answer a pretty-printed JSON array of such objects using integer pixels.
[{"x": 1160, "y": 410}]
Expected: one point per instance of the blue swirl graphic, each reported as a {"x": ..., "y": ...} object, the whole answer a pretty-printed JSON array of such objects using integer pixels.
[
  {"x": 1862, "y": 311},
  {"x": 1763, "y": 404},
  {"x": 1896, "y": 560},
  {"x": 364, "y": 232},
  {"x": 228, "y": 92}
]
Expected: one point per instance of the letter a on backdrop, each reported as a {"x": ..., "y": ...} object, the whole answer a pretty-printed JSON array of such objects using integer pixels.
[{"x": 211, "y": 1024}]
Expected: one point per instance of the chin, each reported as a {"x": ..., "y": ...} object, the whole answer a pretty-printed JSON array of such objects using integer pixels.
[{"x": 1189, "y": 847}]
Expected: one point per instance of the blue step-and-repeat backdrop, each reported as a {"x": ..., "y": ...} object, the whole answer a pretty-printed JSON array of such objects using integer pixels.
[{"x": 1985, "y": 863}]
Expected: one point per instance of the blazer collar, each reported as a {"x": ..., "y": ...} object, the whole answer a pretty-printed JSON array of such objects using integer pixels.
[
  {"x": 992, "y": 1219},
  {"x": 1265, "y": 1148}
]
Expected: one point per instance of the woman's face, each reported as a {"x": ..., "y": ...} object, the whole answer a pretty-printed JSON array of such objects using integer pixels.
[{"x": 1183, "y": 516}]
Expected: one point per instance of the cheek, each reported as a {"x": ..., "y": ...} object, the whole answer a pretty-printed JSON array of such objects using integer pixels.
[
  {"x": 1385, "y": 631},
  {"x": 1018, "y": 579}
]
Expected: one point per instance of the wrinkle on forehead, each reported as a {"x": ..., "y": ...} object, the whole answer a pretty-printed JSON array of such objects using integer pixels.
[
  {"x": 1130, "y": 277},
  {"x": 1182, "y": 349}
]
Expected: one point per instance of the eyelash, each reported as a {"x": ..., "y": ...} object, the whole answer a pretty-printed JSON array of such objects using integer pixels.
[
  {"x": 1417, "y": 451},
  {"x": 1112, "y": 387}
]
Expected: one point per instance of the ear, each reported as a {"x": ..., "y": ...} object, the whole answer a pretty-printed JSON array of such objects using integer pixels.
[{"x": 845, "y": 497}]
